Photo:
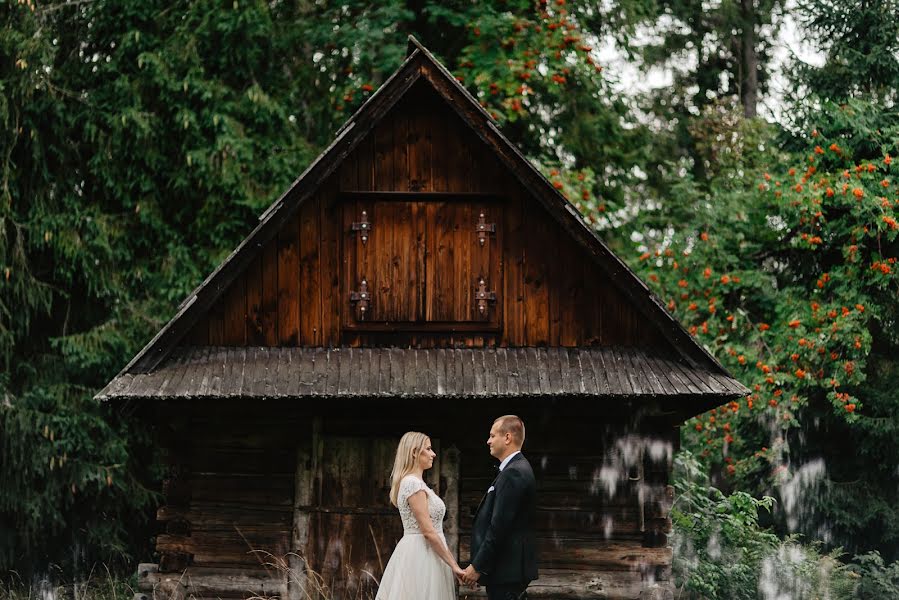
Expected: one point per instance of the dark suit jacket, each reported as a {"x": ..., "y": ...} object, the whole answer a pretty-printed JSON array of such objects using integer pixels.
[{"x": 503, "y": 542}]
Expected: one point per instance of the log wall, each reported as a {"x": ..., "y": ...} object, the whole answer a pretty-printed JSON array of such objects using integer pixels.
[
  {"x": 603, "y": 499},
  {"x": 548, "y": 292}
]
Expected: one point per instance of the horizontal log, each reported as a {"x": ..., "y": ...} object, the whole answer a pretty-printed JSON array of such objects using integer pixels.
[
  {"x": 244, "y": 497},
  {"x": 652, "y": 505},
  {"x": 211, "y": 583},
  {"x": 584, "y": 585},
  {"x": 585, "y": 522},
  {"x": 202, "y": 516},
  {"x": 242, "y": 460},
  {"x": 566, "y": 552},
  {"x": 208, "y": 547},
  {"x": 251, "y": 481}
]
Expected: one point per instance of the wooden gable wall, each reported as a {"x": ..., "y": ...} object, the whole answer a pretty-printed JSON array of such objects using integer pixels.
[{"x": 296, "y": 291}]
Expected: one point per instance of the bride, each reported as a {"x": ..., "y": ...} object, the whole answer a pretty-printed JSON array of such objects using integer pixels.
[{"x": 421, "y": 565}]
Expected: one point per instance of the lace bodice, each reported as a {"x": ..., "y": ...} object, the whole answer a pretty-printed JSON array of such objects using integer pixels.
[{"x": 436, "y": 508}]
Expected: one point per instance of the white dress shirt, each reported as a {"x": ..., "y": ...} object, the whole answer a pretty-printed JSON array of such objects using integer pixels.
[{"x": 506, "y": 460}]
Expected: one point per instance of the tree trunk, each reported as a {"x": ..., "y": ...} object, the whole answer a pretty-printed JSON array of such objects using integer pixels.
[{"x": 749, "y": 86}]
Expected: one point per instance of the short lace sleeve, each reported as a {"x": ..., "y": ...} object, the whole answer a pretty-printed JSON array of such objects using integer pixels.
[
  {"x": 408, "y": 486},
  {"x": 436, "y": 508}
]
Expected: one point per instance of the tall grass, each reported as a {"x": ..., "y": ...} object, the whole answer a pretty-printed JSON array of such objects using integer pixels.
[{"x": 99, "y": 584}]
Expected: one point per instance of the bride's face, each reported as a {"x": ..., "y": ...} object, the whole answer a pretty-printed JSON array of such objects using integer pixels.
[{"x": 426, "y": 456}]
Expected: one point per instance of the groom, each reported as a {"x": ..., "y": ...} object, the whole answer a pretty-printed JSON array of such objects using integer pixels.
[{"x": 503, "y": 545}]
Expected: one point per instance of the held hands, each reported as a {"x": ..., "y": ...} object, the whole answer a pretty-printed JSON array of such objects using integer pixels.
[
  {"x": 458, "y": 573},
  {"x": 468, "y": 576}
]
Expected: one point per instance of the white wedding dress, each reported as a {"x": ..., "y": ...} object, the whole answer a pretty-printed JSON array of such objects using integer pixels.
[{"x": 414, "y": 571}]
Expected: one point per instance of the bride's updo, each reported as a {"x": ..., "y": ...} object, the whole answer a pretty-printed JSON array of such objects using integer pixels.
[{"x": 410, "y": 446}]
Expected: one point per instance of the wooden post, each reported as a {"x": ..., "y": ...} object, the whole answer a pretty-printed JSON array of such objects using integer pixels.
[
  {"x": 176, "y": 488},
  {"x": 308, "y": 454},
  {"x": 449, "y": 479}
]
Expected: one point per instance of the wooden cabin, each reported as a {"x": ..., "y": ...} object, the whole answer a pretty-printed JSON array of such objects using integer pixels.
[{"x": 420, "y": 275}]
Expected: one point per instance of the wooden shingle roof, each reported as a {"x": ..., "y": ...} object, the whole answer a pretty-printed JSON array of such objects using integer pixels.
[{"x": 268, "y": 373}]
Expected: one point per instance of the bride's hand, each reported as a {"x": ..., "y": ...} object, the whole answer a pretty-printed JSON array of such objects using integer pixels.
[{"x": 459, "y": 573}]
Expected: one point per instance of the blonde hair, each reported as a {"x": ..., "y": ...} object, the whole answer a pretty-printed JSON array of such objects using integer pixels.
[
  {"x": 514, "y": 425},
  {"x": 410, "y": 446}
]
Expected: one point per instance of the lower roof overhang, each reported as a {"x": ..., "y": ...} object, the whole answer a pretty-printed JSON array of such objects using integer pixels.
[{"x": 602, "y": 373}]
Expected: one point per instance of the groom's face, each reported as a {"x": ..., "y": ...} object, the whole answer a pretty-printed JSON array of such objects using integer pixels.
[{"x": 498, "y": 442}]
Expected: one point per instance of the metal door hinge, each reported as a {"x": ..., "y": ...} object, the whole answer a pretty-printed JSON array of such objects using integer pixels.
[
  {"x": 483, "y": 228},
  {"x": 363, "y": 227},
  {"x": 483, "y": 296},
  {"x": 362, "y": 299}
]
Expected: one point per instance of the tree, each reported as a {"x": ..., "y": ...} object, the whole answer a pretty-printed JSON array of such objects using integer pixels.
[
  {"x": 860, "y": 42},
  {"x": 789, "y": 275}
]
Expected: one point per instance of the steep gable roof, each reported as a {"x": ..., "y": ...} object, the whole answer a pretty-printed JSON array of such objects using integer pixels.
[{"x": 419, "y": 65}]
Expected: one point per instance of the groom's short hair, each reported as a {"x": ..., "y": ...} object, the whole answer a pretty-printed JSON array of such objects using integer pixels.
[{"x": 514, "y": 425}]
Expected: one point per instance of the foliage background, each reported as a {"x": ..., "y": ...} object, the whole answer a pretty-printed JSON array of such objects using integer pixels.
[{"x": 140, "y": 140}]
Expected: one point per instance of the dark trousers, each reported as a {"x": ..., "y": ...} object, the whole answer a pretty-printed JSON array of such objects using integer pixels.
[{"x": 507, "y": 591}]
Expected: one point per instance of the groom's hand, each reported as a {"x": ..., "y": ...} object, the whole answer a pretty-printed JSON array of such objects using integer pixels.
[{"x": 470, "y": 575}]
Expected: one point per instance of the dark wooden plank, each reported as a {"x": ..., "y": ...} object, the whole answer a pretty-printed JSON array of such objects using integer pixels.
[
  {"x": 384, "y": 176},
  {"x": 604, "y": 379},
  {"x": 457, "y": 155},
  {"x": 181, "y": 378},
  {"x": 419, "y": 144},
  {"x": 501, "y": 374},
  {"x": 440, "y": 367},
  {"x": 623, "y": 370},
  {"x": 235, "y": 324},
  {"x": 239, "y": 385},
  {"x": 555, "y": 279},
  {"x": 365, "y": 164},
  {"x": 659, "y": 386},
  {"x": 381, "y": 370},
  {"x": 457, "y": 383},
  {"x": 329, "y": 266},
  {"x": 368, "y": 379},
  {"x": 217, "y": 358},
  {"x": 431, "y": 361},
  {"x": 480, "y": 379},
  {"x": 618, "y": 382},
  {"x": 401, "y": 177},
  {"x": 284, "y": 372},
  {"x": 519, "y": 356},
  {"x": 269, "y": 308},
  {"x": 438, "y": 128},
  {"x": 257, "y": 372},
  {"x": 572, "y": 302},
  {"x": 575, "y": 376},
  {"x": 529, "y": 367},
  {"x": 344, "y": 364},
  {"x": 397, "y": 371},
  {"x": 543, "y": 371},
  {"x": 310, "y": 282},
  {"x": 535, "y": 278},
  {"x": 255, "y": 309},
  {"x": 289, "y": 384},
  {"x": 288, "y": 284},
  {"x": 664, "y": 366},
  {"x": 515, "y": 313},
  {"x": 333, "y": 369},
  {"x": 694, "y": 378},
  {"x": 410, "y": 374},
  {"x": 491, "y": 373},
  {"x": 319, "y": 372},
  {"x": 468, "y": 371},
  {"x": 549, "y": 358}
]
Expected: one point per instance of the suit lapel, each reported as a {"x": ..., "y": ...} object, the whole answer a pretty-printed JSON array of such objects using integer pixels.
[{"x": 484, "y": 497}]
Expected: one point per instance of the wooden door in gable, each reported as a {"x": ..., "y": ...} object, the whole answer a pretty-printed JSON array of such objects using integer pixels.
[{"x": 422, "y": 264}]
